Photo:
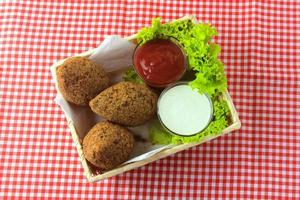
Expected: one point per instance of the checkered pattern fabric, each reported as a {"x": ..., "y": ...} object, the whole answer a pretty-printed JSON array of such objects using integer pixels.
[{"x": 260, "y": 48}]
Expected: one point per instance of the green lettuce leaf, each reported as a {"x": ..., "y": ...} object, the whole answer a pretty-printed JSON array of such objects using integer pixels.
[
  {"x": 158, "y": 135},
  {"x": 131, "y": 75},
  {"x": 203, "y": 62}
]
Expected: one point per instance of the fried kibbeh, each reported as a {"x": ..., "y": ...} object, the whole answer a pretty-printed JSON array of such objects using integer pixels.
[
  {"x": 80, "y": 80},
  {"x": 107, "y": 145},
  {"x": 126, "y": 103}
]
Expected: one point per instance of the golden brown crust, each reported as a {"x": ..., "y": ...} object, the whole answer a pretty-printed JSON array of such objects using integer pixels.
[
  {"x": 107, "y": 145},
  {"x": 126, "y": 103},
  {"x": 80, "y": 80}
]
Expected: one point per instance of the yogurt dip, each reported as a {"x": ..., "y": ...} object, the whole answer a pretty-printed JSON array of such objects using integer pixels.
[{"x": 184, "y": 111}]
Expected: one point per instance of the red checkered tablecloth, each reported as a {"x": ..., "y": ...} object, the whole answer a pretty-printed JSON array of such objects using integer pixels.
[{"x": 260, "y": 48}]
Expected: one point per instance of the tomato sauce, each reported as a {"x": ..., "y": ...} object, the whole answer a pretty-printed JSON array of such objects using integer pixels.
[{"x": 159, "y": 62}]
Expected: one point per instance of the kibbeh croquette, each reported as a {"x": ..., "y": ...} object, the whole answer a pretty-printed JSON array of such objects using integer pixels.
[
  {"x": 107, "y": 145},
  {"x": 126, "y": 103},
  {"x": 80, "y": 80}
]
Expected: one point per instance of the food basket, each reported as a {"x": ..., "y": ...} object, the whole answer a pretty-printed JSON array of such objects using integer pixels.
[{"x": 155, "y": 155}]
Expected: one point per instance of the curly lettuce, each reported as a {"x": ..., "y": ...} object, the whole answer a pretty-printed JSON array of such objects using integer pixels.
[
  {"x": 131, "y": 76},
  {"x": 208, "y": 73}
]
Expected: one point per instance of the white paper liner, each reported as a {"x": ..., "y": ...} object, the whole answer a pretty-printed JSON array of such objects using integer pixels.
[{"x": 114, "y": 53}]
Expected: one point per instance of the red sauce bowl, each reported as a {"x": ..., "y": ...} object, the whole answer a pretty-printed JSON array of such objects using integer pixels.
[{"x": 160, "y": 62}]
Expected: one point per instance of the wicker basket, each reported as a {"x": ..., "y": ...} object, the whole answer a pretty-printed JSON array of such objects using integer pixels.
[{"x": 236, "y": 124}]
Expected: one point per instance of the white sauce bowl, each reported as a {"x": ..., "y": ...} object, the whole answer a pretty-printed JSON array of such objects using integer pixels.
[{"x": 184, "y": 111}]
